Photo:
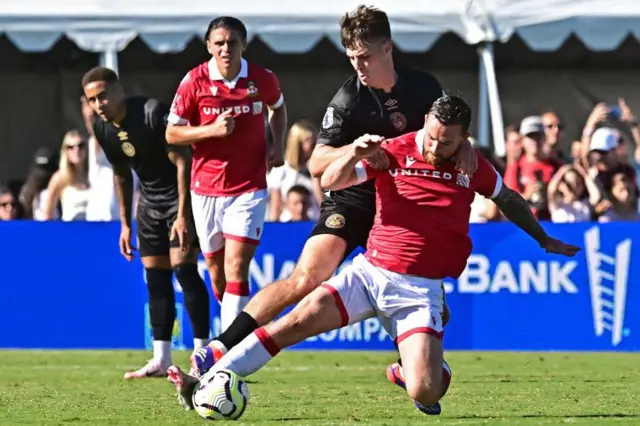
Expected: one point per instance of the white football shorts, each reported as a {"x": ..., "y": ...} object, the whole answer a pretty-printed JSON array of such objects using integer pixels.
[
  {"x": 239, "y": 218},
  {"x": 405, "y": 304}
]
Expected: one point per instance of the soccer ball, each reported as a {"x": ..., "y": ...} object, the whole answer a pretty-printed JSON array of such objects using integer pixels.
[{"x": 221, "y": 395}]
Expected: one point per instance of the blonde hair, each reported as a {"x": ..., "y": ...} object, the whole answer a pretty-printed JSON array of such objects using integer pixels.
[
  {"x": 293, "y": 151},
  {"x": 69, "y": 173}
]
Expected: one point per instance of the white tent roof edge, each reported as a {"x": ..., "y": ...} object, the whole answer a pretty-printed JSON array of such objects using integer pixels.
[{"x": 293, "y": 26}]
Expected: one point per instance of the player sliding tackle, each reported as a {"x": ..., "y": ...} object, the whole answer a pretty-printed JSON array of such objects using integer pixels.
[{"x": 419, "y": 237}]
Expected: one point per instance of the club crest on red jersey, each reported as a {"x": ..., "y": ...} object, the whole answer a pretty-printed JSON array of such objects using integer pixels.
[{"x": 252, "y": 90}]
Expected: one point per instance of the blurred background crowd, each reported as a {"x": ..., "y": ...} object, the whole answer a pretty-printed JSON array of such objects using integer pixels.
[
  {"x": 567, "y": 90},
  {"x": 593, "y": 176}
]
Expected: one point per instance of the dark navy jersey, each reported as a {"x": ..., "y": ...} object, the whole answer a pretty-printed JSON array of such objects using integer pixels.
[
  {"x": 139, "y": 143},
  {"x": 357, "y": 109}
]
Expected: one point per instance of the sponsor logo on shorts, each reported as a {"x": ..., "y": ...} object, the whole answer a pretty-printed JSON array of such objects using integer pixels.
[
  {"x": 128, "y": 149},
  {"x": 335, "y": 221}
]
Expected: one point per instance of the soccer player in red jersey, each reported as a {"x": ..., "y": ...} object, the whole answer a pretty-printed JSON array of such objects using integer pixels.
[
  {"x": 419, "y": 237},
  {"x": 219, "y": 110}
]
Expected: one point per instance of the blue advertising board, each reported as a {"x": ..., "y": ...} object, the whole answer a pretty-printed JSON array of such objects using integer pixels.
[{"x": 65, "y": 286}]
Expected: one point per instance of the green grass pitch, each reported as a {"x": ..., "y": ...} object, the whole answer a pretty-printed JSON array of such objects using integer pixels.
[{"x": 328, "y": 388}]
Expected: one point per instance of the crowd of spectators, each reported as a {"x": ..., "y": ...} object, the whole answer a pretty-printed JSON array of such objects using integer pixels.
[
  {"x": 596, "y": 180},
  {"x": 591, "y": 178}
]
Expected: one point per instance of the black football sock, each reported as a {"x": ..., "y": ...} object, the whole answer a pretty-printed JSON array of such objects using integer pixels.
[
  {"x": 162, "y": 303},
  {"x": 196, "y": 299},
  {"x": 241, "y": 327}
]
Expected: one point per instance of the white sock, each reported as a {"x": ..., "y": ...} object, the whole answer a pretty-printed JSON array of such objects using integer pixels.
[
  {"x": 200, "y": 343},
  {"x": 250, "y": 355},
  {"x": 218, "y": 345},
  {"x": 236, "y": 297},
  {"x": 162, "y": 351}
]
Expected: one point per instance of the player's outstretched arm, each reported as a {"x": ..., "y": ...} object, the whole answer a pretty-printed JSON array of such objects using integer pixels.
[
  {"x": 346, "y": 171},
  {"x": 517, "y": 210}
]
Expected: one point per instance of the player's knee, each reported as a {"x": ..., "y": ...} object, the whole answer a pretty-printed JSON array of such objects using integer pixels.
[
  {"x": 159, "y": 281},
  {"x": 307, "y": 310},
  {"x": 189, "y": 278},
  {"x": 236, "y": 268},
  {"x": 425, "y": 390},
  {"x": 301, "y": 284}
]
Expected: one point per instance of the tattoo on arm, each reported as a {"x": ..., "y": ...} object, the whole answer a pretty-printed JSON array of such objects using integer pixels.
[{"x": 517, "y": 210}]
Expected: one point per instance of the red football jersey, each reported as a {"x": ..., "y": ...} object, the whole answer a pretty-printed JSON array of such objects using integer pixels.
[
  {"x": 235, "y": 164},
  {"x": 422, "y": 211}
]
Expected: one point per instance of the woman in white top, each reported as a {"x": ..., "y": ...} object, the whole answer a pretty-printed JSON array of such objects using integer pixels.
[
  {"x": 572, "y": 195},
  {"x": 33, "y": 194},
  {"x": 300, "y": 143},
  {"x": 70, "y": 184}
]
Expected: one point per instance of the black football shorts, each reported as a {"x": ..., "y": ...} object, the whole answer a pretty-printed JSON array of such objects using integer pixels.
[
  {"x": 154, "y": 229},
  {"x": 352, "y": 224}
]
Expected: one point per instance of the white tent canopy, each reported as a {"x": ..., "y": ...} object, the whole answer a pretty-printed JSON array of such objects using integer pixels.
[
  {"x": 295, "y": 26},
  {"x": 292, "y": 26},
  {"x": 286, "y": 26}
]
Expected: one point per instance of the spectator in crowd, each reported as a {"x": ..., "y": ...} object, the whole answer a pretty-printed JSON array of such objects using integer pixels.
[
  {"x": 604, "y": 160},
  {"x": 33, "y": 194},
  {"x": 70, "y": 184},
  {"x": 531, "y": 174},
  {"x": 297, "y": 203},
  {"x": 513, "y": 144},
  {"x": 553, "y": 137},
  {"x": 623, "y": 200},
  {"x": 9, "y": 205},
  {"x": 300, "y": 143},
  {"x": 103, "y": 202},
  {"x": 576, "y": 152},
  {"x": 572, "y": 195}
]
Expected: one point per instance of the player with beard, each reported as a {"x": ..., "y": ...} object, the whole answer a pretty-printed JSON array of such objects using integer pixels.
[
  {"x": 379, "y": 99},
  {"x": 419, "y": 238},
  {"x": 131, "y": 132}
]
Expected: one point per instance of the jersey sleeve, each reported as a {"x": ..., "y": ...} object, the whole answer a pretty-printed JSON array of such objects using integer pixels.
[
  {"x": 273, "y": 96},
  {"x": 337, "y": 126},
  {"x": 487, "y": 180},
  {"x": 184, "y": 105},
  {"x": 157, "y": 118},
  {"x": 115, "y": 157}
]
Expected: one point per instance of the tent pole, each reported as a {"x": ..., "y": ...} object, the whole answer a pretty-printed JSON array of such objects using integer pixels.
[
  {"x": 483, "y": 103},
  {"x": 109, "y": 59},
  {"x": 487, "y": 58}
]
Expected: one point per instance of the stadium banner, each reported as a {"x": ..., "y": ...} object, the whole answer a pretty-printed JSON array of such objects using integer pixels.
[{"x": 65, "y": 286}]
